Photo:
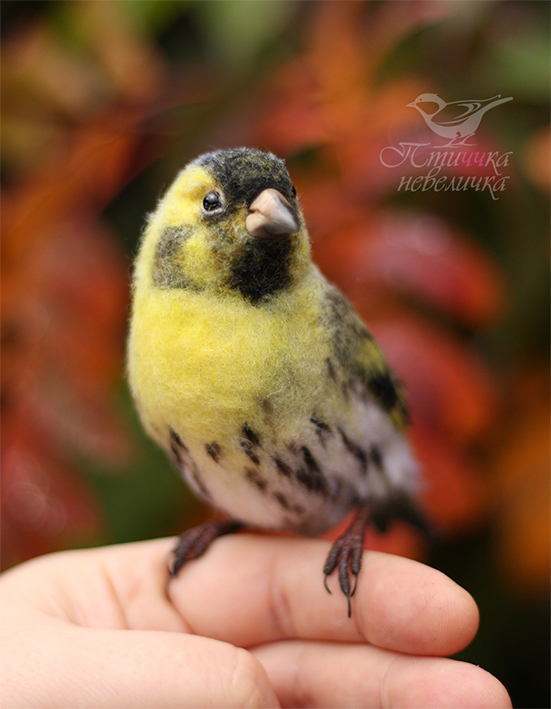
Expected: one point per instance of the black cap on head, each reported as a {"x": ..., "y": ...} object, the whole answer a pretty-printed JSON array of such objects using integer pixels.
[{"x": 244, "y": 173}]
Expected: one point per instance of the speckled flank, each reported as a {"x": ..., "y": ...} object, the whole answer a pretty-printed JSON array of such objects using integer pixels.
[
  {"x": 356, "y": 450},
  {"x": 185, "y": 462},
  {"x": 311, "y": 477},
  {"x": 288, "y": 506}
]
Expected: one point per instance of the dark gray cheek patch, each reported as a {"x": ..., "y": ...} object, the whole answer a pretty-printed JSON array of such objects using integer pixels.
[{"x": 167, "y": 271}]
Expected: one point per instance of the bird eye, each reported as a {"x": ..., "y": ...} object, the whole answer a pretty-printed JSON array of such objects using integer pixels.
[{"x": 212, "y": 202}]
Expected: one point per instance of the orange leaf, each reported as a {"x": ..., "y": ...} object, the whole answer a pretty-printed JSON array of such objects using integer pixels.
[{"x": 521, "y": 481}]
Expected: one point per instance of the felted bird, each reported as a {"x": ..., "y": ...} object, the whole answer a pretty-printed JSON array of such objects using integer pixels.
[
  {"x": 255, "y": 373},
  {"x": 456, "y": 120}
]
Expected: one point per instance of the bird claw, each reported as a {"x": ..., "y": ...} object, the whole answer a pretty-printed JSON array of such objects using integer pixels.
[
  {"x": 194, "y": 542},
  {"x": 346, "y": 555}
]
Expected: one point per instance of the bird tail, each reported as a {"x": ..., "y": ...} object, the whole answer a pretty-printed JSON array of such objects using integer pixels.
[
  {"x": 497, "y": 99},
  {"x": 399, "y": 507}
]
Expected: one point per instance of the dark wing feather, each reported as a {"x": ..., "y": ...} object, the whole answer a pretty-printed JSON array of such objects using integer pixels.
[{"x": 358, "y": 360}]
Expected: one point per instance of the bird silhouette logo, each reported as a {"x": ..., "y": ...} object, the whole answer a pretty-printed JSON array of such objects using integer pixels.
[{"x": 456, "y": 120}]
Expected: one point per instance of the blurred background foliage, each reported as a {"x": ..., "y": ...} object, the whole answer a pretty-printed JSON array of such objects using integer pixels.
[{"x": 103, "y": 102}]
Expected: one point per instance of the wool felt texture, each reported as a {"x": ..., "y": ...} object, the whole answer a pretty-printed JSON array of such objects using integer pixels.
[{"x": 249, "y": 368}]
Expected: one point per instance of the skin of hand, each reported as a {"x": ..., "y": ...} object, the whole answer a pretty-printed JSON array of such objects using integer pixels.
[{"x": 249, "y": 624}]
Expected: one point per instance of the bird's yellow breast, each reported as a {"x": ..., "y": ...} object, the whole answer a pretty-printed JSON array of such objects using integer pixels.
[{"x": 206, "y": 365}]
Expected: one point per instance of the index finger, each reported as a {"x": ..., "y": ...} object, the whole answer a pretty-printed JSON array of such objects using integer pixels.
[{"x": 251, "y": 589}]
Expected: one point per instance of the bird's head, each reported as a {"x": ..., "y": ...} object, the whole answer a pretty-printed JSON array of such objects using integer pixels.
[
  {"x": 428, "y": 104},
  {"x": 229, "y": 224}
]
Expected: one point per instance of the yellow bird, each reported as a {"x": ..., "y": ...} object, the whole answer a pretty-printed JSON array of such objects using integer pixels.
[{"x": 255, "y": 373}]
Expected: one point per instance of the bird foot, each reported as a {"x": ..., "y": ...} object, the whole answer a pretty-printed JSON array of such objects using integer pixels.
[
  {"x": 346, "y": 555},
  {"x": 459, "y": 142},
  {"x": 195, "y": 541},
  {"x": 346, "y": 552}
]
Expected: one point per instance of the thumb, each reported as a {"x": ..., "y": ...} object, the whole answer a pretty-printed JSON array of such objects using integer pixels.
[{"x": 136, "y": 668}]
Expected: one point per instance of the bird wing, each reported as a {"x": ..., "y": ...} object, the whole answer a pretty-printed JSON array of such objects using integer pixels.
[
  {"x": 456, "y": 113},
  {"x": 450, "y": 115},
  {"x": 358, "y": 361},
  {"x": 380, "y": 382}
]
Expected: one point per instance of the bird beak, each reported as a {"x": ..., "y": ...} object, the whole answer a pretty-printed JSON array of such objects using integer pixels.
[{"x": 271, "y": 215}]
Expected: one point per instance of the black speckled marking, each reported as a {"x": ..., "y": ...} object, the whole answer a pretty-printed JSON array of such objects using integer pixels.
[
  {"x": 283, "y": 501},
  {"x": 255, "y": 477},
  {"x": 311, "y": 481},
  {"x": 376, "y": 456},
  {"x": 175, "y": 438},
  {"x": 305, "y": 479},
  {"x": 186, "y": 463},
  {"x": 282, "y": 467},
  {"x": 311, "y": 462},
  {"x": 311, "y": 476},
  {"x": 248, "y": 442},
  {"x": 323, "y": 430},
  {"x": 252, "y": 455},
  {"x": 177, "y": 446},
  {"x": 214, "y": 450},
  {"x": 176, "y": 453},
  {"x": 249, "y": 435},
  {"x": 356, "y": 451}
]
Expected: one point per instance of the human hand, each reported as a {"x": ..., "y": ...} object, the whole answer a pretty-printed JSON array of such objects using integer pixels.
[{"x": 247, "y": 624}]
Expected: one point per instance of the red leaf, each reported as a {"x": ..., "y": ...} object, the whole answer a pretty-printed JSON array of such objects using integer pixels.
[
  {"x": 448, "y": 388},
  {"x": 423, "y": 256},
  {"x": 419, "y": 255}
]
